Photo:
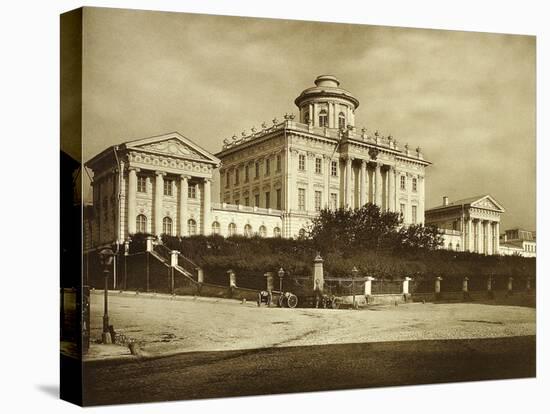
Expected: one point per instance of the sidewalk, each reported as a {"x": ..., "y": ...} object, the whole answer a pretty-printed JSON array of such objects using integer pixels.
[{"x": 101, "y": 352}]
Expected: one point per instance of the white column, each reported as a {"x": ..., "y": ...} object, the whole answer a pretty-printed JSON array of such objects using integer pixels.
[
  {"x": 311, "y": 114},
  {"x": 132, "y": 188},
  {"x": 480, "y": 237},
  {"x": 184, "y": 187},
  {"x": 421, "y": 198},
  {"x": 207, "y": 224},
  {"x": 348, "y": 182},
  {"x": 497, "y": 239},
  {"x": 362, "y": 189},
  {"x": 159, "y": 194},
  {"x": 378, "y": 184},
  {"x": 391, "y": 190},
  {"x": 310, "y": 168}
]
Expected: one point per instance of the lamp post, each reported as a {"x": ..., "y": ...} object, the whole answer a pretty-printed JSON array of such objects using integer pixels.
[
  {"x": 354, "y": 273},
  {"x": 106, "y": 258},
  {"x": 281, "y": 274}
]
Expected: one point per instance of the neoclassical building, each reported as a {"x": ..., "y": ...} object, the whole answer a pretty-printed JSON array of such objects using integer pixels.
[
  {"x": 299, "y": 166},
  {"x": 471, "y": 224},
  {"x": 272, "y": 180}
]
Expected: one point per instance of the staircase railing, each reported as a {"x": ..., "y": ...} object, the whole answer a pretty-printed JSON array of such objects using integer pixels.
[
  {"x": 188, "y": 265},
  {"x": 163, "y": 251}
]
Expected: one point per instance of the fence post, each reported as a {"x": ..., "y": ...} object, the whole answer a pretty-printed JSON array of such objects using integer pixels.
[
  {"x": 232, "y": 282},
  {"x": 200, "y": 275},
  {"x": 510, "y": 285},
  {"x": 368, "y": 286},
  {"x": 465, "y": 294},
  {"x": 173, "y": 263},
  {"x": 528, "y": 284},
  {"x": 490, "y": 293},
  {"x": 406, "y": 293},
  {"x": 149, "y": 245},
  {"x": 174, "y": 258},
  {"x": 438, "y": 280},
  {"x": 318, "y": 274}
]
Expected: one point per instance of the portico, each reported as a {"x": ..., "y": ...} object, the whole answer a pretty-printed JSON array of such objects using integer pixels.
[
  {"x": 158, "y": 185},
  {"x": 475, "y": 220}
]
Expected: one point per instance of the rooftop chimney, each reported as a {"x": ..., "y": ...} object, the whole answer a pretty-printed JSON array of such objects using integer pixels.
[{"x": 445, "y": 200}]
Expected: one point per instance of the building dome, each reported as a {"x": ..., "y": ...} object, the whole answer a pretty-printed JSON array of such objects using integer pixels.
[{"x": 326, "y": 104}]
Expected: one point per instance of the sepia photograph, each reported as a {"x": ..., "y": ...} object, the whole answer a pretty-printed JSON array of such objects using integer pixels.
[{"x": 254, "y": 206}]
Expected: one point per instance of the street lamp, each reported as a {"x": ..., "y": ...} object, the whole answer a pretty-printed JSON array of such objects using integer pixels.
[
  {"x": 106, "y": 257},
  {"x": 281, "y": 274},
  {"x": 354, "y": 273}
]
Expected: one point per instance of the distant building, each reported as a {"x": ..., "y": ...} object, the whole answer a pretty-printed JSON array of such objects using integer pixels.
[
  {"x": 471, "y": 224},
  {"x": 518, "y": 241}
]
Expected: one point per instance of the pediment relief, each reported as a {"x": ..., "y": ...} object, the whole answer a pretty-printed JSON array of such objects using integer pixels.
[
  {"x": 486, "y": 203},
  {"x": 171, "y": 147}
]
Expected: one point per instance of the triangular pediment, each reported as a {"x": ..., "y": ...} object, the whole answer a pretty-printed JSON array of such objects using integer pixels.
[
  {"x": 174, "y": 145},
  {"x": 487, "y": 202}
]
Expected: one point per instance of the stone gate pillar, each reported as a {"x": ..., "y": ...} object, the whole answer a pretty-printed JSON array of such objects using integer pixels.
[
  {"x": 232, "y": 279},
  {"x": 318, "y": 273},
  {"x": 510, "y": 285},
  {"x": 269, "y": 281},
  {"x": 149, "y": 245}
]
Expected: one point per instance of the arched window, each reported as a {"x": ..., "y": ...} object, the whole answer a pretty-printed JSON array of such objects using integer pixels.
[
  {"x": 248, "y": 230},
  {"x": 215, "y": 228},
  {"x": 263, "y": 231},
  {"x": 192, "y": 227},
  {"x": 232, "y": 229},
  {"x": 306, "y": 118},
  {"x": 323, "y": 118},
  {"x": 457, "y": 247},
  {"x": 167, "y": 225},
  {"x": 276, "y": 232},
  {"x": 450, "y": 246},
  {"x": 341, "y": 120},
  {"x": 302, "y": 233},
  {"x": 141, "y": 224}
]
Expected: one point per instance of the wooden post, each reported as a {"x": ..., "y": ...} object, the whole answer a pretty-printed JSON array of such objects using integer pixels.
[{"x": 438, "y": 287}]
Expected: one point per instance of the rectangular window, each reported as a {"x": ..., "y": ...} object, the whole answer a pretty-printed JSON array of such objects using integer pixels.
[
  {"x": 318, "y": 164},
  {"x": 402, "y": 209},
  {"x": 301, "y": 199},
  {"x": 403, "y": 182},
  {"x": 237, "y": 176},
  {"x": 267, "y": 166},
  {"x": 334, "y": 168},
  {"x": 278, "y": 162},
  {"x": 278, "y": 198},
  {"x": 334, "y": 201},
  {"x": 247, "y": 201},
  {"x": 246, "y": 173},
  {"x": 414, "y": 219},
  {"x": 227, "y": 179},
  {"x": 302, "y": 162},
  {"x": 267, "y": 199},
  {"x": 167, "y": 187},
  {"x": 257, "y": 170},
  {"x": 414, "y": 184},
  {"x": 256, "y": 200},
  {"x": 318, "y": 198},
  {"x": 142, "y": 184},
  {"x": 191, "y": 192}
]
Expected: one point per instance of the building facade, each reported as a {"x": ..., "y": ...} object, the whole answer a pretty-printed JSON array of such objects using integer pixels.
[
  {"x": 518, "y": 242},
  {"x": 272, "y": 180},
  {"x": 299, "y": 166},
  {"x": 471, "y": 224}
]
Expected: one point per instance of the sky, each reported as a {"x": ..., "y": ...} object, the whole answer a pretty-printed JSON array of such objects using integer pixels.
[{"x": 467, "y": 99}]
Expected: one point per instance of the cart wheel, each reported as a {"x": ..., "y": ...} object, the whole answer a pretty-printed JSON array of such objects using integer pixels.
[{"x": 292, "y": 301}]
